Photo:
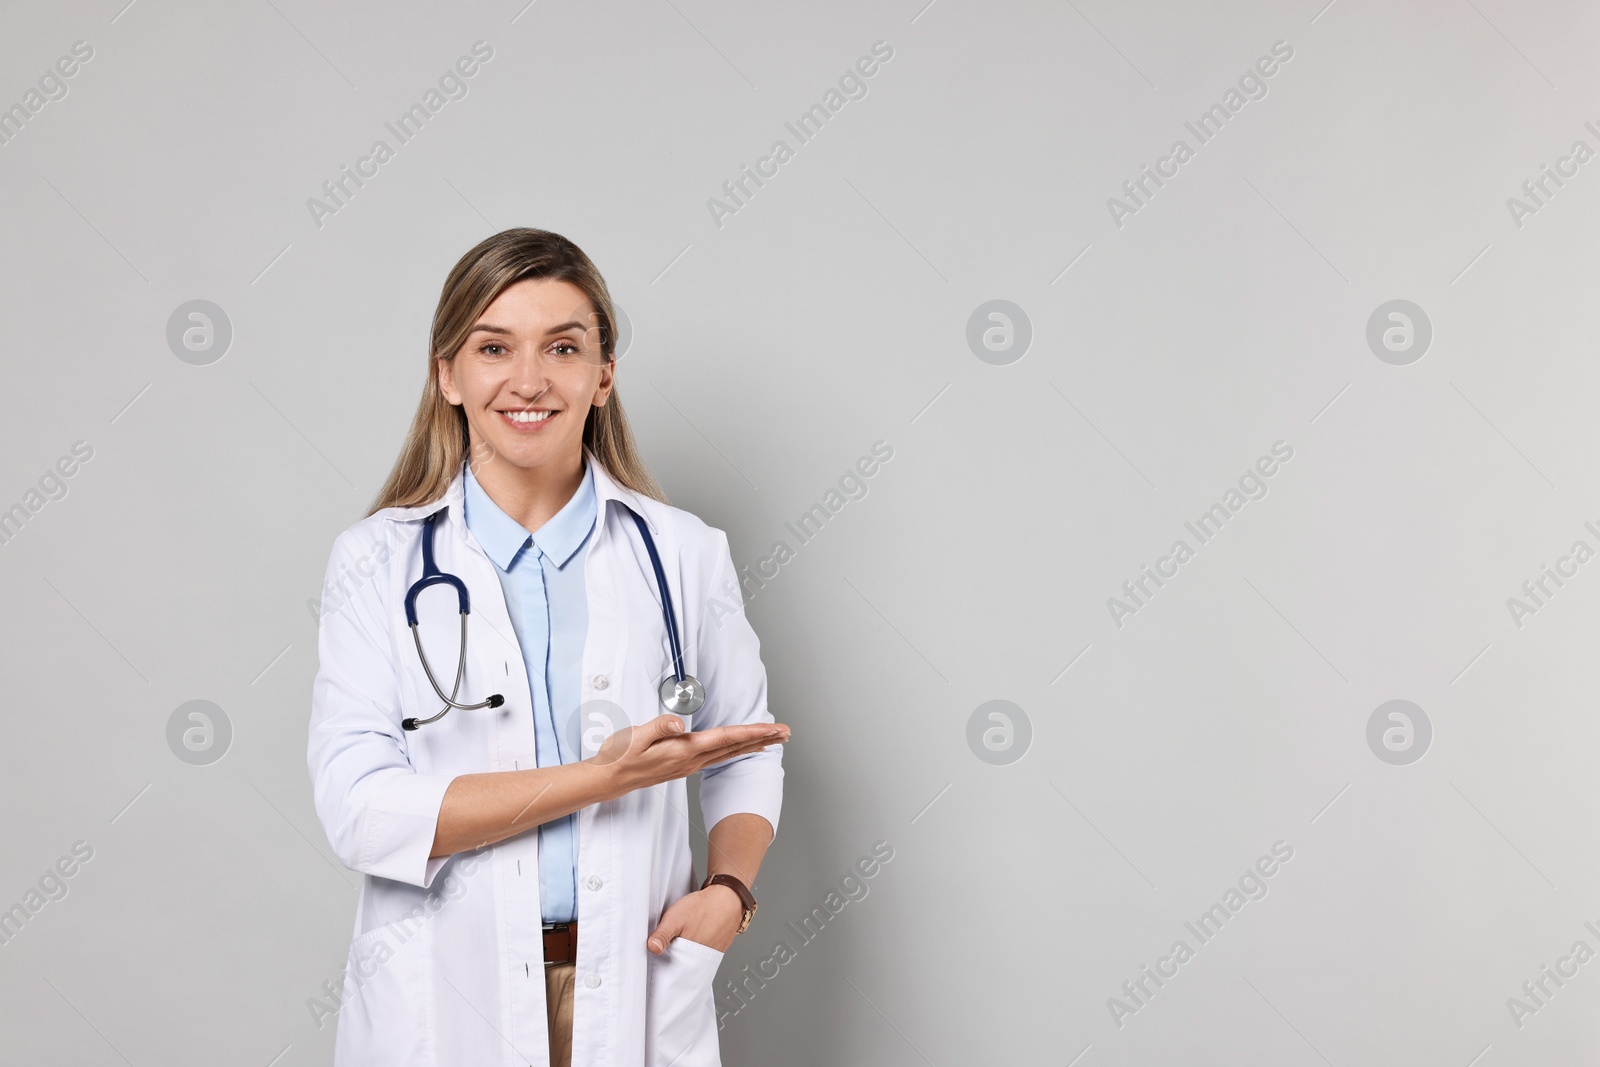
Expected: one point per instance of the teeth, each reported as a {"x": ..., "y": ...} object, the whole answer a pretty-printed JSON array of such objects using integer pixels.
[{"x": 527, "y": 416}]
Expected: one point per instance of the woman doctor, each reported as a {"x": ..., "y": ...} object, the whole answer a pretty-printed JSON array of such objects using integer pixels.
[{"x": 528, "y": 893}]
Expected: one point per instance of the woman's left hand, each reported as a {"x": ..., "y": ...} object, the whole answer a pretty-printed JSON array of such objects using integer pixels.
[{"x": 710, "y": 916}]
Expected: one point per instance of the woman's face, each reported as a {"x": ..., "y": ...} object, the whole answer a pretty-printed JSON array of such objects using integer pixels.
[{"x": 528, "y": 373}]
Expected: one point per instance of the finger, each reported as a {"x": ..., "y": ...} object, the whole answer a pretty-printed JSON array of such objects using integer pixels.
[
  {"x": 724, "y": 735},
  {"x": 713, "y": 745},
  {"x": 769, "y": 736},
  {"x": 660, "y": 937},
  {"x": 728, "y": 748},
  {"x": 759, "y": 739},
  {"x": 723, "y": 743},
  {"x": 666, "y": 725}
]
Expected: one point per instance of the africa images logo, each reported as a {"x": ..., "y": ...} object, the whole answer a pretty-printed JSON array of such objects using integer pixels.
[
  {"x": 1252, "y": 85},
  {"x": 852, "y": 85},
  {"x": 452, "y": 85}
]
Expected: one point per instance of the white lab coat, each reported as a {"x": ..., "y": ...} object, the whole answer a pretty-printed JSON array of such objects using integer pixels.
[{"x": 446, "y": 961}]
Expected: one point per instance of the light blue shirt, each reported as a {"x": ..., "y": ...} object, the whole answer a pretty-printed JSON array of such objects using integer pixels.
[{"x": 542, "y": 575}]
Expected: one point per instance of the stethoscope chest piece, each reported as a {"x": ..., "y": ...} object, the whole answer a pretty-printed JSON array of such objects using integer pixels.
[{"x": 682, "y": 696}]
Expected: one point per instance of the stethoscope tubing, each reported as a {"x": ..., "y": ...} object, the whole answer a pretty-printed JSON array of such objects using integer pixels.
[
  {"x": 666, "y": 597},
  {"x": 687, "y": 692},
  {"x": 494, "y": 700}
]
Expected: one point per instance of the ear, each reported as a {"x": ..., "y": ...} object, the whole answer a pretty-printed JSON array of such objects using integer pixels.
[
  {"x": 608, "y": 377},
  {"x": 445, "y": 370}
]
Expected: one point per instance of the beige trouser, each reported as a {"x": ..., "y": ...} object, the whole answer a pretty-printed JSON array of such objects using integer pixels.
[{"x": 558, "y": 978}]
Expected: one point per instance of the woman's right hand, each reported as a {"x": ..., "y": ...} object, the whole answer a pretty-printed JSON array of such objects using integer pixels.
[{"x": 660, "y": 750}]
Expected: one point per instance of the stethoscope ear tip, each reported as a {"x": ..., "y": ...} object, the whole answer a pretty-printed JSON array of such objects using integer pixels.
[{"x": 495, "y": 700}]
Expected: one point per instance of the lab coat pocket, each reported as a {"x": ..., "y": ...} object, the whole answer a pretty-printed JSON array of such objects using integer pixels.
[
  {"x": 680, "y": 1007},
  {"x": 386, "y": 1016}
]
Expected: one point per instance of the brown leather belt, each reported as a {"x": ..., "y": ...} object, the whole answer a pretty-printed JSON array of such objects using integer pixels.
[{"x": 561, "y": 943}]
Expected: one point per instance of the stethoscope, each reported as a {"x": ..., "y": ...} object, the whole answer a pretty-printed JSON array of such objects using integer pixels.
[{"x": 681, "y": 693}]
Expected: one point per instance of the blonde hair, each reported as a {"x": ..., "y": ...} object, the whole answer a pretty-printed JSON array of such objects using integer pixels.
[{"x": 438, "y": 441}]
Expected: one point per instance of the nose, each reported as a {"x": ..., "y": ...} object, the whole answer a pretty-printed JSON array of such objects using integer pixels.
[{"x": 528, "y": 379}]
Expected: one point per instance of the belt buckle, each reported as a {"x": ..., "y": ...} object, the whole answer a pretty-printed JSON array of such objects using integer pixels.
[{"x": 549, "y": 928}]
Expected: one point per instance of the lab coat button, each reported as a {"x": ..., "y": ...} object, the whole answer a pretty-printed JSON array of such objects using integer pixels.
[
  {"x": 591, "y": 980},
  {"x": 601, "y": 681},
  {"x": 594, "y": 881}
]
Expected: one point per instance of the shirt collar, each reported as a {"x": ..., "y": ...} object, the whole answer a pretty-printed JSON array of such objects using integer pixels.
[
  {"x": 606, "y": 490},
  {"x": 502, "y": 537}
]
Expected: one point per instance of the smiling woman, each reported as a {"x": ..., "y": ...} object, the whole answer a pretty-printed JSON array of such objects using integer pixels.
[
  {"x": 526, "y": 386},
  {"x": 519, "y": 488},
  {"x": 535, "y": 330}
]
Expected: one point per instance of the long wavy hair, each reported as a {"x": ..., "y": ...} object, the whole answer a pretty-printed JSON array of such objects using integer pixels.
[{"x": 438, "y": 441}]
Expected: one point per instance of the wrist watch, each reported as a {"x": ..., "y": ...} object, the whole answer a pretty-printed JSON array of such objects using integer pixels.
[{"x": 745, "y": 898}]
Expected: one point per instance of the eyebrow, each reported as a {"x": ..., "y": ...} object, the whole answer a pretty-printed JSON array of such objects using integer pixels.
[{"x": 489, "y": 327}]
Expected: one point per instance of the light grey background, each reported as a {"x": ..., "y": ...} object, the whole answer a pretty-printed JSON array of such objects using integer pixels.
[{"x": 769, "y": 353}]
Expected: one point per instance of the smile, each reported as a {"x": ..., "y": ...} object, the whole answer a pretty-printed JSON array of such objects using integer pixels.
[{"x": 526, "y": 420}]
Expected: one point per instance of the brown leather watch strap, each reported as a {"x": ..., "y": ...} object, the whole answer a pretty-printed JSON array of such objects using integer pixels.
[{"x": 746, "y": 898}]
